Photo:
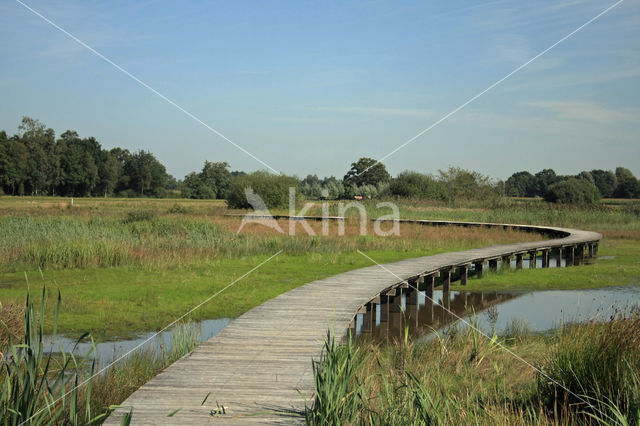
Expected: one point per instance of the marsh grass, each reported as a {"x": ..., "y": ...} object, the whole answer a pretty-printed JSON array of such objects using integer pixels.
[
  {"x": 11, "y": 324},
  {"x": 38, "y": 388},
  {"x": 148, "y": 239},
  {"x": 598, "y": 362},
  {"x": 458, "y": 378},
  {"x": 41, "y": 388}
]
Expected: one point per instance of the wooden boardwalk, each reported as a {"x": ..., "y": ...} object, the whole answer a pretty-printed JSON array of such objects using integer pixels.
[{"x": 259, "y": 367}]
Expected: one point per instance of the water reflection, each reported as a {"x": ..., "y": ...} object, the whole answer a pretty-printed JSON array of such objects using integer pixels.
[
  {"x": 540, "y": 310},
  {"x": 422, "y": 313},
  {"x": 107, "y": 352}
]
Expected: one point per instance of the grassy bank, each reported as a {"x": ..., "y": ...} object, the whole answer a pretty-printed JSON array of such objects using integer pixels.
[{"x": 584, "y": 374}]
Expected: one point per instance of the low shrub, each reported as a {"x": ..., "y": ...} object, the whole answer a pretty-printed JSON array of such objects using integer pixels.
[
  {"x": 572, "y": 191},
  {"x": 417, "y": 185},
  {"x": 140, "y": 216},
  {"x": 272, "y": 189}
]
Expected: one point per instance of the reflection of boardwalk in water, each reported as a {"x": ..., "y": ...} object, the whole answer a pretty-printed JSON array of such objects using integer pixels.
[
  {"x": 259, "y": 367},
  {"x": 386, "y": 321}
]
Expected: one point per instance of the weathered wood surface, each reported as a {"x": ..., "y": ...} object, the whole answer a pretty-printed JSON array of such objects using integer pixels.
[{"x": 259, "y": 367}]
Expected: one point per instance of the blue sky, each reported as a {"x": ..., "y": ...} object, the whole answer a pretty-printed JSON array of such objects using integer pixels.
[{"x": 309, "y": 87}]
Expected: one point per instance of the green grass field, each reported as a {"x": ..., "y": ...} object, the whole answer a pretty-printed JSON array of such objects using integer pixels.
[{"x": 127, "y": 265}]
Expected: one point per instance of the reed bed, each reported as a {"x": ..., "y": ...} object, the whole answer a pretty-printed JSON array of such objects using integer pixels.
[
  {"x": 146, "y": 238},
  {"x": 41, "y": 388},
  {"x": 461, "y": 377}
]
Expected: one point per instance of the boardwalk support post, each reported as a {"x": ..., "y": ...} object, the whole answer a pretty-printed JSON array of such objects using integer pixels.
[
  {"x": 493, "y": 265},
  {"x": 570, "y": 255},
  {"x": 506, "y": 262},
  {"x": 545, "y": 258},
  {"x": 559, "y": 257},
  {"x": 478, "y": 267},
  {"x": 446, "y": 286},
  {"x": 519, "y": 261},
  {"x": 532, "y": 258},
  {"x": 464, "y": 273}
]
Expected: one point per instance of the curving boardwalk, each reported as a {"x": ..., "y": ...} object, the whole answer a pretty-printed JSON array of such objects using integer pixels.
[{"x": 259, "y": 367}]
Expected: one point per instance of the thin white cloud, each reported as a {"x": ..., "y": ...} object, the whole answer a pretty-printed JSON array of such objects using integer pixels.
[{"x": 582, "y": 111}]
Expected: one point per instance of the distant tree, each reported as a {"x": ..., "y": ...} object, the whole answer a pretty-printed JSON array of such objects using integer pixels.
[
  {"x": 41, "y": 163},
  {"x": 350, "y": 191},
  {"x": 605, "y": 181},
  {"x": 586, "y": 176},
  {"x": 172, "y": 182},
  {"x": 543, "y": 179},
  {"x": 629, "y": 188},
  {"x": 273, "y": 189},
  {"x": 146, "y": 174},
  {"x": 521, "y": 184},
  {"x": 217, "y": 177},
  {"x": 465, "y": 184},
  {"x": 108, "y": 173},
  {"x": 628, "y": 185},
  {"x": 194, "y": 187},
  {"x": 366, "y": 171},
  {"x": 622, "y": 174},
  {"x": 90, "y": 174},
  {"x": 572, "y": 191},
  {"x": 213, "y": 181},
  {"x": 13, "y": 163},
  {"x": 123, "y": 157},
  {"x": 417, "y": 185}
]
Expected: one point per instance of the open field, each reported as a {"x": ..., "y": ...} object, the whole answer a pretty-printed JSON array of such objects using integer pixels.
[
  {"x": 130, "y": 265},
  {"x": 126, "y": 265}
]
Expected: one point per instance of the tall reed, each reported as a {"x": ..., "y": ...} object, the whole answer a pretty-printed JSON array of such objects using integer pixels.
[{"x": 38, "y": 388}]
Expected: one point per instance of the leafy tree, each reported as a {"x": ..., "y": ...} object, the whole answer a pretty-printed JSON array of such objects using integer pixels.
[
  {"x": 572, "y": 191},
  {"x": 521, "y": 184},
  {"x": 586, "y": 176},
  {"x": 628, "y": 185},
  {"x": 212, "y": 182},
  {"x": 465, "y": 184},
  {"x": 40, "y": 143},
  {"x": 13, "y": 163},
  {"x": 193, "y": 187},
  {"x": 543, "y": 179},
  {"x": 605, "y": 181},
  {"x": 217, "y": 177},
  {"x": 108, "y": 173},
  {"x": 366, "y": 171},
  {"x": 146, "y": 173},
  {"x": 90, "y": 174}
]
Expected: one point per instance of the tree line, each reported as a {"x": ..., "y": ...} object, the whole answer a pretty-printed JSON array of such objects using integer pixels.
[
  {"x": 35, "y": 162},
  {"x": 620, "y": 183}
]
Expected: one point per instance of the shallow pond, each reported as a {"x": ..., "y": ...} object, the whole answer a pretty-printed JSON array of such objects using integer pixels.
[
  {"x": 539, "y": 310},
  {"x": 107, "y": 352}
]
